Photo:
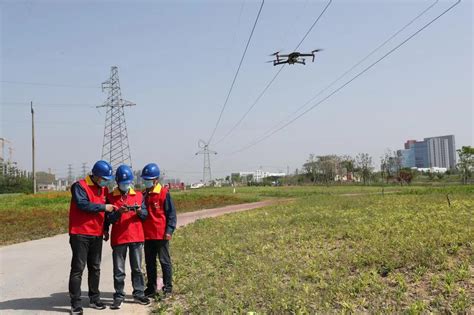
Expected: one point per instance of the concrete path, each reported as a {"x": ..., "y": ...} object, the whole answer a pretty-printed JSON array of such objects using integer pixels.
[{"x": 34, "y": 275}]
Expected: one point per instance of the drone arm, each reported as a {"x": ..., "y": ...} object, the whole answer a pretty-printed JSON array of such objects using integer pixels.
[{"x": 276, "y": 63}]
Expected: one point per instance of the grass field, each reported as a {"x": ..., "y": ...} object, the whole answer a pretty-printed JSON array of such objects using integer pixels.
[
  {"x": 331, "y": 250},
  {"x": 29, "y": 217}
]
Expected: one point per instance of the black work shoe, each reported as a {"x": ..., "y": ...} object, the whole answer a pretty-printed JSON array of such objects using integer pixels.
[
  {"x": 76, "y": 310},
  {"x": 150, "y": 293},
  {"x": 98, "y": 305},
  {"x": 117, "y": 304},
  {"x": 143, "y": 300}
]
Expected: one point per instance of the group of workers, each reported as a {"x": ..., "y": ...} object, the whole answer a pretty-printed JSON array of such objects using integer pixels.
[{"x": 140, "y": 220}]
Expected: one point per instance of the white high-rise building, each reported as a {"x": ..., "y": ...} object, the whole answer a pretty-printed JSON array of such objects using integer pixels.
[{"x": 441, "y": 151}]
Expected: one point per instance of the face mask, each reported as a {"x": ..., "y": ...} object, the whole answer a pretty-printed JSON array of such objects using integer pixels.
[
  {"x": 124, "y": 187},
  {"x": 103, "y": 183},
  {"x": 148, "y": 183}
]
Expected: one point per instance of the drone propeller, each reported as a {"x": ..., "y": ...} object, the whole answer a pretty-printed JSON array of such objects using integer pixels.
[
  {"x": 269, "y": 61},
  {"x": 316, "y": 50},
  {"x": 275, "y": 53}
]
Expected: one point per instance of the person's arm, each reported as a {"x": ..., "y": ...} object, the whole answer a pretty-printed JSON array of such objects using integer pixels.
[
  {"x": 79, "y": 196},
  {"x": 143, "y": 213},
  {"x": 113, "y": 217},
  {"x": 106, "y": 228},
  {"x": 170, "y": 212}
]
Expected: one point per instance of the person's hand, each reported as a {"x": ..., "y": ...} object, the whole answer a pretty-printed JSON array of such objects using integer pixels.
[
  {"x": 138, "y": 211},
  {"x": 167, "y": 236},
  {"x": 123, "y": 209},
  {"x": 106, "y": 236},
  {"x": 110, "y": 208}
]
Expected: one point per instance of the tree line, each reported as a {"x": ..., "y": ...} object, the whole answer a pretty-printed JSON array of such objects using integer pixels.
[{"x": 327, "y": 169}]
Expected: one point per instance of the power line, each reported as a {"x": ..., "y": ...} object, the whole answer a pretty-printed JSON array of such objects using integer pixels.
[
  {"x": 69, "y": 123},
  {"x": 49, "y": 84},
  {"x": 13, "y": 104},
  {"x": 238, "y": 22},
  {"x": 273, "y": 79},
  {"x": 347, "y": 82},
  {"x": 290, "y": 31},
  {"x": 236, "y": 73},
  {"x": 251, "y": 107},
  {"x": 311, "y": 28},
  {"x": 358, "y": 63}
]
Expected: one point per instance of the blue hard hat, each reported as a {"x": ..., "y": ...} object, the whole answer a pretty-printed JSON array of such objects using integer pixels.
[
  {"x": 151, "y": 171},
  {"x": 102, "y": 169},
  {"x": 124, "y": 175}
]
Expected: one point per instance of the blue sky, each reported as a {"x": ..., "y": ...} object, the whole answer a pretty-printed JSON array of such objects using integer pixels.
[{"x": 177, "y": 59}]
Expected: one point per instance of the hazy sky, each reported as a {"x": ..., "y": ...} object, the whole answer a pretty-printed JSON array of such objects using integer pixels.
[{"x": 177, "y": 59}]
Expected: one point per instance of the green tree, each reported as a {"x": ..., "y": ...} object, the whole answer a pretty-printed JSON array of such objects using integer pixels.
[
  {"x": 364, "y": 166},
  {"x": 390, "y": 164},
  {"x": 235, "y": 177},
  {"x": 466, "y": 162},
  {"x": 15, "y": 184},
  {"x": 249, "y": 178},
  {"x": 311, "y": 167},
  {"x": 327, "y": 167},
  {"x": 348, "y": 164}
]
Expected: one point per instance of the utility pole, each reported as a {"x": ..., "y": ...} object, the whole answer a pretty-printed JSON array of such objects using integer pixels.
[
  {"x": 33, "y": 146},
  {"x": 116, "y": 148},
  {"x": 206, "y": 172}
]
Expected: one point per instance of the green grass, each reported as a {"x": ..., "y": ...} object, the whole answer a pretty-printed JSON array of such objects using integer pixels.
[
  {"x": 29, "y": 217},
  {"x": 407, "y": 252}
]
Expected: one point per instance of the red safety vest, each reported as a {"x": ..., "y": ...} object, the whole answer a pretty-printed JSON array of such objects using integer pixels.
[
  {"x": 83, "y": 222},
  {"x": 155, "y": 224},
  {"x": 128, "y": 228}
]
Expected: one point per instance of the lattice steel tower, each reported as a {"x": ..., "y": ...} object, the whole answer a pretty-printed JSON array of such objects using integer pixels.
[
  {"x": 116, "y": 148},
  {"x": 206, "y": 172}
]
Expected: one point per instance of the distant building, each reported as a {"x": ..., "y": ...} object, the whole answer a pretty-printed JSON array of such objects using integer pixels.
[
  {"x": 407, "y": 157},
  {"x": 259, "y": 175},
  {"x": 439, "y": 152},
  {"x": 348, "y": 177},
  {"x": 421, "y": 154},
  {"x": 441, "y": 170},
  {"x": 409, "y": 144}
]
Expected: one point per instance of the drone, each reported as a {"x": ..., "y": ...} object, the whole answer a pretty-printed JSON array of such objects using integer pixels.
[{"x": 292, "y": 58}]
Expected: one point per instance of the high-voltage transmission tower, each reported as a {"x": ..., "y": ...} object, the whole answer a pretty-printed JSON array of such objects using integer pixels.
[
  {"x": 84, "y": 169},
  {"x": 116, "y": 148},
  {"x": 70, "y": 178},
  {"x": 206, "y": 172}
]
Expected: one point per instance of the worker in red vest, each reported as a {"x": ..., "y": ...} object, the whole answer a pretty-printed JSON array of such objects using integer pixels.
[
  {"x": 158, "y": 228},
  {"x": 127, "y": 234},
  {"x": 86, "y": 229}
]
